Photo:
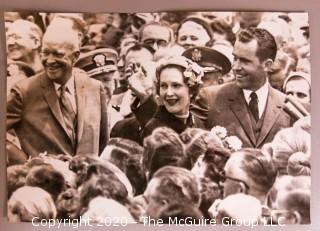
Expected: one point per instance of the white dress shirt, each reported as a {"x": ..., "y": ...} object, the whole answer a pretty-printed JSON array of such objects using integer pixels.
[
  {"x": 71, "y": 92},
  {"x": 262, "y": 96}
]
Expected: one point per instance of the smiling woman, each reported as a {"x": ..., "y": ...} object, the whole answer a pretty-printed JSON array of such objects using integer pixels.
[{"x": 178, "y": 82}]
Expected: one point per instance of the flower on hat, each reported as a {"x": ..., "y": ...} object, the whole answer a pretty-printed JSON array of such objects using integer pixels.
[{"x": 193, "y": 73}]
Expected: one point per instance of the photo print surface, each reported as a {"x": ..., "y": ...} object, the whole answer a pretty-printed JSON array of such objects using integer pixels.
[{"x": 188, "y": 118}]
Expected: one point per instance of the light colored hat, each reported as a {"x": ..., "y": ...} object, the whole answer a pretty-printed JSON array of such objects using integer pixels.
[
  {"x": 192, "y": 71},
  {"x": 301, "y": 74}
]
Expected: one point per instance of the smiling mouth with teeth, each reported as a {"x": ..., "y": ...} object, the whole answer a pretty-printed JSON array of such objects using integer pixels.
[{"x": 171, "y": 101}]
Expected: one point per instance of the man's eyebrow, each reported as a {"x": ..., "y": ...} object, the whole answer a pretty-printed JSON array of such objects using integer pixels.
[{"x": 241, "y": 58}]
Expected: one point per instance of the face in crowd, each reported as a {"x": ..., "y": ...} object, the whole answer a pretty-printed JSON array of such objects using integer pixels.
[
  {"x": 58, "y": 55},
  {"x": 253, "y": 58},
  {"x": 192, "y": 34},
  {"x": 300, "y": 89},
  {"x": 174, "y": 92},
  {"x": 235, "y": 178},
  {"x": 22, "y": 40},
  {"x": 155, "y": 36},
  {"x": 247, "y": 68},
  {"x": 142, "y": 58}
]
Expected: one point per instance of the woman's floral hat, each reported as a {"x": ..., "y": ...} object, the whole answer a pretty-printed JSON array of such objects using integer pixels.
[{"x": 193, "y": 73}]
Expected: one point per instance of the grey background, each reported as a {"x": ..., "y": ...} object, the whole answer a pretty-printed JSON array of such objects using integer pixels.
[{"x": 310, "y": 6}]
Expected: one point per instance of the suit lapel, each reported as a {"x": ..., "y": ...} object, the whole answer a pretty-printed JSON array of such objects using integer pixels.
[
  {"x": 239, "y": 108},
  {"x": 272, "y": 112},
  {"x": 80, "y": 94},
  {"x": 51, "y": 97}
]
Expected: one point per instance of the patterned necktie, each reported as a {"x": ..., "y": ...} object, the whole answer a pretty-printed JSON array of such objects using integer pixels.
[
  {"x": 253, "y": 105},
  {"x": 68, "y": 113}
]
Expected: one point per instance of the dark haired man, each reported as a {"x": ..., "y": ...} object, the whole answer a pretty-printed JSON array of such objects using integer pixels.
[
  {"x": 248, "y": 107},
  {"x": 171, "y": 185},
  {"x": 251, "y": 172},
  {"x": 156, "y": 35}
]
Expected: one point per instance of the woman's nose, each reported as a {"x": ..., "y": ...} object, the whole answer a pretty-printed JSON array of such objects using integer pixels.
[{"x": 169, "y": 91}]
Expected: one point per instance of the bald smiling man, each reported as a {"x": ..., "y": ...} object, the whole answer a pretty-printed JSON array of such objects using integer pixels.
[{"x": 62, "y": 110}]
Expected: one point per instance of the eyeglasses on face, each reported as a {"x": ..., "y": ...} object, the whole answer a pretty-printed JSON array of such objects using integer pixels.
[{"x": 224, "y": 177}]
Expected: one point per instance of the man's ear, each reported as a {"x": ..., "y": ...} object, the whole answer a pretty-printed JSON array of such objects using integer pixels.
[
  {"x": 267, "y": 64},
  {"x": 37, "y": 43},
  {"x": 243, "y": 189}
]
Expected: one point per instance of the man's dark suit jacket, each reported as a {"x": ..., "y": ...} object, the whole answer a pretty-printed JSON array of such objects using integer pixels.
[
  {"x": 225, "y": 106},
  {"x": 33, "y": 111}
]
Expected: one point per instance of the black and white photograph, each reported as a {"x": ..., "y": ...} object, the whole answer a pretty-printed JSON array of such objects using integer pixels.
[{"x": 179, "y": 117}]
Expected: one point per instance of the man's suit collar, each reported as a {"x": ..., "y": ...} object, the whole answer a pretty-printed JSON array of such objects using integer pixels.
[
  {"x": 239, "y": 108},
  {"x": 80, "y": 80},
  {"x": 52, "y": 98},
  {"x": 272, "y": 111}
]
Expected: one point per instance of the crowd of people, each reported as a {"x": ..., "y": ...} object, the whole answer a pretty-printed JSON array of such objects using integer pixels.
[{"x": 201, "y": 115}]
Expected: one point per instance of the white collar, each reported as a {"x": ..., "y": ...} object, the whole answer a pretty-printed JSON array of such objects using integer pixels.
[{"x": 262, "y": 95}]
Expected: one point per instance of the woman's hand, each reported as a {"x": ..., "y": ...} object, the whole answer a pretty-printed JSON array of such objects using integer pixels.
[{"x": 136, "y": 76}]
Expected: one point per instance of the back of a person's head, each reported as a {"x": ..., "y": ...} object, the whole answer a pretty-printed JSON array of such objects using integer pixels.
[
  {"x": 79, "y": 165},
  {"x": 239, "y": 207},
  {"x": 258, "y": 167},
  {"x": 177, "y": 184},
  {"x": 299, "y": 164},
  {"x": 210, "y": 191},
  {"x": 129, "y": 145},
  {"x": 29, "y": 202},
  {"x": 296, "y": 201},
  {"x": 215, "y": 158},
  {"x": 16, "y": 177},
  {"x": 101, "y": 208},
  {"x": 60, "y": 163},
  {"x": 287, "y": 142},
  {"x": 116, "y": 155},
  {"x": 183, "y": 213},
  {"x": 195, "y": 142},
  {"x": 47, "y": 178},
  {"x": 129, "y": 163},
  {"x": 103, "y": 181},
  {"x": 164, "y": 147},
  {"x": 68, "y": 204},
  {"x": 288, "y": 183}
]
